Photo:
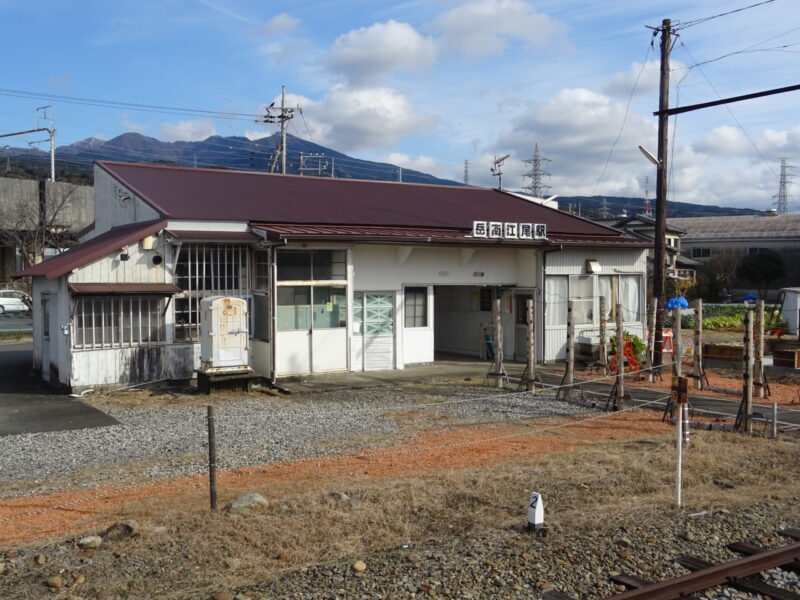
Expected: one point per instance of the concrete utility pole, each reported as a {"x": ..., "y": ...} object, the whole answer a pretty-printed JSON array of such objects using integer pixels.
[
  {"x": 284, "y": 115},
  {"x": 661, "y": 192}
]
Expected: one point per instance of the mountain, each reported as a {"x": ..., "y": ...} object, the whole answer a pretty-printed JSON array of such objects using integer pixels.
[
  {"x": 592, "y": 207},
  {"x": 234, "y": 152}
]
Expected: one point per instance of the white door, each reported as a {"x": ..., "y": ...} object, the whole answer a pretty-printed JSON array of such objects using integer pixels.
[
  {"x": 45, "y": 336},
  {"x": 373, "y": 330},
  {"x": 312, "y": 329}
]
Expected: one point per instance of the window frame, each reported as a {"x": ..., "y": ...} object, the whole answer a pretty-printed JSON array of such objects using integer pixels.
[{"x": 416, "y": 291}]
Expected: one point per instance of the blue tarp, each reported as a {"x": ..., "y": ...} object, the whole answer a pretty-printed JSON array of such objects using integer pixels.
[
  {"x": 678, "y": 302},
  {"x": 750, "y": 297}
]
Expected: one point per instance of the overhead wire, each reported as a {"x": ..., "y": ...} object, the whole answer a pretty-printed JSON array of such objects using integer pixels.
[
  {"x": 650, "y": 49},
  {"x": 694, "y": 22}
]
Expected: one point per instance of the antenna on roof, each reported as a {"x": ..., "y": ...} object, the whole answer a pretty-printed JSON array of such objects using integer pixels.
[{"x": 496, "y": 172}]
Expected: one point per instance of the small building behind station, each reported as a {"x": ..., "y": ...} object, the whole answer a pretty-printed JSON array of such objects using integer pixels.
[{"x": 338, "y": 275}]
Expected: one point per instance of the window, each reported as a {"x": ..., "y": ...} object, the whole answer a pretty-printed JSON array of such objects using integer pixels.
[
  {"x": 581, "y": 292},
  {"x": 701, "y": 252},
  {"x": 207, "y": 270},
  {"x": 118, "y": 321},
  {"x": 416, "y": 307},
  {"x": 262, "y": 270},
  {"x": 330, "y": 307},
  {"x": 522, "y": 308},
  {"x": 260, "y": 314},
  {"x": 319, "y": 265},
  {"x": 555, "y": 298},
  {"x": 294, "y": 308},
  {"x": 301, "y": 307},
  {"x": 624, "y": 290},
  {"x": 487, "y": 295}
]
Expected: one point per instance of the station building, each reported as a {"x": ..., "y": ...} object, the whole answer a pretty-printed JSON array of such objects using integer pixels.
[{"x": 339, "y": 275}]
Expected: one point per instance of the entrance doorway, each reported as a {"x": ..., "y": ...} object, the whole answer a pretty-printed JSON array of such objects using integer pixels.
[{"x": 373, "y": 331}]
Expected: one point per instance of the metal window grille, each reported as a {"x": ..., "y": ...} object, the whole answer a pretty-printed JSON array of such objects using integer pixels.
[
  {"x": 118, "y": 321},
  {"x": 207, "y": 270}
]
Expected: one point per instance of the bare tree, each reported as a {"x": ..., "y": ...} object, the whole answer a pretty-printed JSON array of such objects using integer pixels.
[
  {"x": 721, "y": 268},
  {"x": 33, "y": 224}
]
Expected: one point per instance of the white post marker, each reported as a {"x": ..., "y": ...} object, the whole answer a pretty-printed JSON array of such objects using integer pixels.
[{"x": 536, "y": 512}]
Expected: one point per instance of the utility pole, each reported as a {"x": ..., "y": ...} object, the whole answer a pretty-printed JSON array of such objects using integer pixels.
[
  {"x": 282, "y": 115},
  {"x": 661, "y": 191},
  {"x": 42, "y": 113},
  {"x": 536, "y": 174}
]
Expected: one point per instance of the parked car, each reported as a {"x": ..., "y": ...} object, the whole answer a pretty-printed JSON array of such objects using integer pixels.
[{"x": 14, "y": 301}]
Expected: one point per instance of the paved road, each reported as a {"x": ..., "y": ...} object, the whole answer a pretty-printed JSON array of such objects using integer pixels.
[
  {"x": 28, "y": 405},
  {"x": 701, "y": 404},
  {"x": 15, "y": 322}
]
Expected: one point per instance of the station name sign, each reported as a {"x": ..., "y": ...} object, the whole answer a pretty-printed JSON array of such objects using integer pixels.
[{"x": 509, "y": 231}]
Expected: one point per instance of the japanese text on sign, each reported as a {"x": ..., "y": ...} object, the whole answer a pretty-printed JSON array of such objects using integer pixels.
[{"x": 512, "y": 231}]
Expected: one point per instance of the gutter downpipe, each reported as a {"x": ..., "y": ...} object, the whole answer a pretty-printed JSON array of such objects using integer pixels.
[{"x": 544, "y": 253}]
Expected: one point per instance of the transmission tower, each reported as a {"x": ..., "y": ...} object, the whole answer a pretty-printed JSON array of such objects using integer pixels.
[
  {"x": 466, "y": 172},
  {"x": 782, "y": 199},
  {"x": 604, "y": 212},
  {"x": 280, "y": 115},
  {"x": 537, "y": 187},
  {"x": 648, "y": 209}
]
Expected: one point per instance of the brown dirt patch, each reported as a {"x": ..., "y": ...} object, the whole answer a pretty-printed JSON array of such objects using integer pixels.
[
  {"x": 787, "y": 395},
  {"x": 66, "y": 512}
]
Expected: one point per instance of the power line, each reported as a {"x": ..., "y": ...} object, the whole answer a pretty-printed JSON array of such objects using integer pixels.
[
  {"x": 130, "y": 105},
  {"x": 717, "y": 16}
]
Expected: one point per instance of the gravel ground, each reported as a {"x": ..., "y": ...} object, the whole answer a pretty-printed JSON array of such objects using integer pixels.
[
  {"x": 167, "y": 441},
  {"x": 516, "y": 564}
]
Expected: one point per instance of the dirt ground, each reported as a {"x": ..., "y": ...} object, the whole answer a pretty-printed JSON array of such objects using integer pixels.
[
  {"x": 32, "y": 518},
  {"x": 786, "y": 394}
]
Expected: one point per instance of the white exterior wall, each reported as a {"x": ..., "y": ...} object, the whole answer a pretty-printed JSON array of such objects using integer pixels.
[
  {"x": 110, "y": 210},
  {"x": 614, "y": 261},
  {"x": 139, "y": 267},
  {"x": 791, "y": 310}
]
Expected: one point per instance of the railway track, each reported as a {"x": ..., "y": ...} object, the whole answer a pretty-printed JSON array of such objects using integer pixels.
[{"x": 740, "y": 574}]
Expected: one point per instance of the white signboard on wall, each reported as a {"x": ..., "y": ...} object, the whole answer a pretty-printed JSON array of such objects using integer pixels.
[{"x": 509, "y": 231}]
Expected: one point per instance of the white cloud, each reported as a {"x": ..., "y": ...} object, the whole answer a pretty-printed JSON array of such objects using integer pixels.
[
  {"x": 133, "y": 126},
  {"x": 190, "y": 131},
  {"x": 280, "y": 25},
  {"x": 365, "y": 55},
  {"x": 350, "y": 119},
  {"x": 646, "y": 78},
  {"x": 482, "y": 28},
  {"x": 423, "y": 162},
  {"x": 723, "y": 141}
]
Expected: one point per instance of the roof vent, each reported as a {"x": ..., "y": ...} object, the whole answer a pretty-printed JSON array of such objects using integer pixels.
[{"x": 771, "y": 212}]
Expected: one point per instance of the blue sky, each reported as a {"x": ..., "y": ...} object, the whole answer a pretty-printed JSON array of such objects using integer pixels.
[{"x": 429, "y": 84}]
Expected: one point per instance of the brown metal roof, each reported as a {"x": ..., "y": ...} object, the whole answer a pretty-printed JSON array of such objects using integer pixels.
[
  {"x": 93, "y": 249},
  {"x": 209, "y": 194},
  {"x": 213, "y": 236},
  {"x": 166, "y": 289}
]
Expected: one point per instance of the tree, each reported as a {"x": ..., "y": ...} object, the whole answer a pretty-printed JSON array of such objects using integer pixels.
[
  {"x": 761, "y": 270},
  {"x": 32, "y": 225}
]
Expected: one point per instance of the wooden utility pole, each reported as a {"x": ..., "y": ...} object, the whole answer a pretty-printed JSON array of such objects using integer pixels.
[
  {"x": 661, "y": 191},
  {"x": 603, "y": 335},
  {"x": 569, "y": 376},
  {"x": 498, "y": 343},
  {"x": 746, "y": 410},
  {"x": 758, "y": 354},
  {"x": 677, "y": 350},
  {"x": 698, "y": 344},
  {"x": 651, "y": 334},
  {"x": 620, "y": 398},
  {"x": 531, "y": 346}
]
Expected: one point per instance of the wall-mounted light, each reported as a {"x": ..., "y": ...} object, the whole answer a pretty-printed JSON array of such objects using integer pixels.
[{"x": 124, "y": 255}]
